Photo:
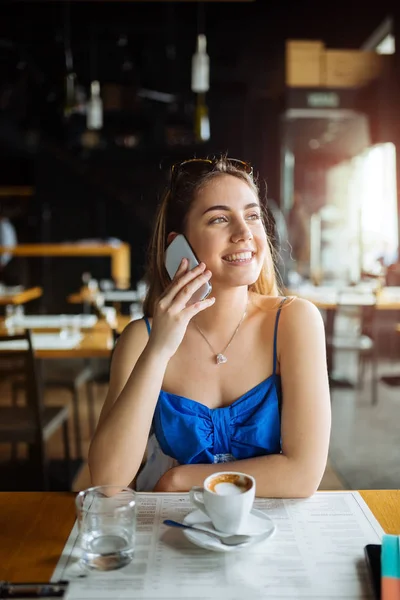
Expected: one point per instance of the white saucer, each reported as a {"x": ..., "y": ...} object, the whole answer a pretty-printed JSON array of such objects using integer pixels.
[{"x": 258, "y": 521}]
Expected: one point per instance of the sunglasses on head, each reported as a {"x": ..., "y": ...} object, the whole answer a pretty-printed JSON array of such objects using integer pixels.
[{"x": 199, "y": 166}]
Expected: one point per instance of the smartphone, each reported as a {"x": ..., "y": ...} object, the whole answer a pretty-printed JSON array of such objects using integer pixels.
[
  {"x": 373, "y": 559},
  {"x": 180, "y": 248}
]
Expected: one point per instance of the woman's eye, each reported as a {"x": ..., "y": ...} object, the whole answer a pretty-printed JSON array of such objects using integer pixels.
[
  {"x": 223, "y": 219},
  {"x": 218, "y": 220}
]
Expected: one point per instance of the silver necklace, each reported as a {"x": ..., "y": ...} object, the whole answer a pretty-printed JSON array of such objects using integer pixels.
[{"x": 220, "y": 357}]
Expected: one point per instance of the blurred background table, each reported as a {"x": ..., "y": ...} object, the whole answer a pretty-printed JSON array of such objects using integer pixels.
[
  {"x": 14, "y": 295},
  {"x": 93, "y": 343}
]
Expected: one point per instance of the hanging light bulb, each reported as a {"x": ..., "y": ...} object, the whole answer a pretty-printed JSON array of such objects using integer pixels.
[
  {"x": 201, "y": 66},
  {"x": 202, "y": 120},
  {"x": 201, "y": 85},
  {"x": 94, "y": 109}
]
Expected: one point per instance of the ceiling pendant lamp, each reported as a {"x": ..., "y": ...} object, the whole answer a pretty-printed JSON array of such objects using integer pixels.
[
  {"x": 201, "y": 80},
  {"x": 201, "y": 66}
]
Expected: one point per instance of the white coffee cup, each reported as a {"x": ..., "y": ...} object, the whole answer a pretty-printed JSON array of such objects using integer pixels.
[{"x": 227, "y": 498}]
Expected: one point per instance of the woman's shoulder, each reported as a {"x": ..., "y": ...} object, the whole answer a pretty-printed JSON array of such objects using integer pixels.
[
  {"x": 294, "y": 310},
  {"x": 300, "y": 320},
  {"x": 136, "y": 327},
  {"x": 134, "y": 335},
  {"x": 300, "y": 323}
]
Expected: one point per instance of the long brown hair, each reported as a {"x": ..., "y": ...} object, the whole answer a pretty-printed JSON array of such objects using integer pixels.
[{"x": 172, "y": 216}]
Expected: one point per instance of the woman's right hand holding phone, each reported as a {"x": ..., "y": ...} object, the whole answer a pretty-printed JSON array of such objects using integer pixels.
[{"x": 172, "y": 314}]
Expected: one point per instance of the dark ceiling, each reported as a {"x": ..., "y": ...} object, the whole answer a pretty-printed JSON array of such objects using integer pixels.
[{"x": 246, "y": 39}]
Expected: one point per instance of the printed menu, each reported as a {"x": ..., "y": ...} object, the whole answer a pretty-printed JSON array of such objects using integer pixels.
[{"x": 316, "y": 552}]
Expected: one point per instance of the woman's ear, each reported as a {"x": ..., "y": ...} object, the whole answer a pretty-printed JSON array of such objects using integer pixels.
[{"x": 171, "y": 236}]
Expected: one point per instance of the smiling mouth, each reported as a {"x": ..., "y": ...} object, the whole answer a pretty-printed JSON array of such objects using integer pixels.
[{"x": 240, "y": 258}]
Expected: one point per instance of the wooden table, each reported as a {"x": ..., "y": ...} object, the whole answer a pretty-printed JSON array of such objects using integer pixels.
[
  {"x": 85, "y": 296},
  {"x": 35, "y": 526},
  {"x": 124, "y": 320},
  {"x": 119, "y": 254},
  {"x": 95, "y": 343},
  {"x": 21, "y": 297},
  {"x": 384, "y": 300}
]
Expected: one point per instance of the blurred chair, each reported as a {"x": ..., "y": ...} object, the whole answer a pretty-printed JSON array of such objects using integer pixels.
[
  {"x": 393, "y": 379},
  {"x": 31, "y": 423},
  {"x": 87, "y": 377},
  {"x": 102, "y": 378},
  {"x": 357, "y": 335},
  {"x": 72, "y": 383},
  {"x": 393, "y": 274}
]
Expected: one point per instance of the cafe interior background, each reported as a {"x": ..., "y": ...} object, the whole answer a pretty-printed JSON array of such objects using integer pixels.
[{"x": 97, "y": 101}]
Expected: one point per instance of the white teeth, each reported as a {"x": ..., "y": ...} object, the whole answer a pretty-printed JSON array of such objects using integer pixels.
[{"x": 240, "y": 256}]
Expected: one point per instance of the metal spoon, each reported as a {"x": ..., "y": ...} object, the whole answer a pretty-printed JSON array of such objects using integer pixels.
[{"x": 230, "y": 540}]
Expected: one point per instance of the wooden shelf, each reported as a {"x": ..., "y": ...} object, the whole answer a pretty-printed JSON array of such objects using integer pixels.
[
  {"x": 16, "y": 191},
  {"x": 119, "y": 254}
]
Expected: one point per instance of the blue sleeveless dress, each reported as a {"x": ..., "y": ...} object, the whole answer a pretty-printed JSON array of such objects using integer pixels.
[{"x": 187, "y": 432}]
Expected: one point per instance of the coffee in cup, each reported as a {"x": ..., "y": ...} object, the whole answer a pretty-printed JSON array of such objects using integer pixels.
[
  {"x": 227, "y": 498},
  {"x": 229, "y": 484}
]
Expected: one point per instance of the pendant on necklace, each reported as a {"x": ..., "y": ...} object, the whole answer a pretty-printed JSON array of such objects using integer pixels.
[{"x": 221, "y": 359}]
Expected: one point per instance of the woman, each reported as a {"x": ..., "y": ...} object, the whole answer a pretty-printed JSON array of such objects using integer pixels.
[{"x": 266, "y": 405}]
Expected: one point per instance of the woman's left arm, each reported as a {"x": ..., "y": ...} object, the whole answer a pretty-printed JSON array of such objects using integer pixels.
[{"x": 305, "y": 419}]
